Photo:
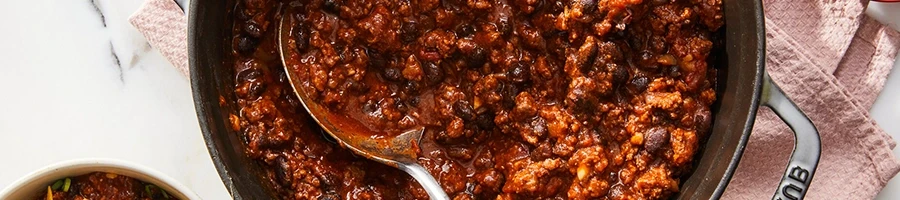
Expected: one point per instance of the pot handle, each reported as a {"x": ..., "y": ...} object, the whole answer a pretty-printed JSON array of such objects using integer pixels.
[{"x": 807, "y": 145}]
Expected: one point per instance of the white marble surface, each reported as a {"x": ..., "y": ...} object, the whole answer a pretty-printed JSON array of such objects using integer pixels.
[
  {"x": 78, "y": 81},
  {"x": 75, "y": 83},
  {"x": 886, "y": 110}
]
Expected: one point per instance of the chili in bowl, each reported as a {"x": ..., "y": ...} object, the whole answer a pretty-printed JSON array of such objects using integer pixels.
[{"x": 96, "y": 179}]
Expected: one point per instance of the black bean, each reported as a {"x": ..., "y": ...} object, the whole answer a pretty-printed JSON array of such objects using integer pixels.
[
  {"x": 369, "y": 106},
  {"x": 409, "y": 31},
  {"x": 252, "y": 29},
  {"x": 519, "y": 73},
  {"x": 414, "y": 101},
  {"x": 250, "y": 74},
  {"x": 392, "y": 74},
  {"x": 255, "y": 89},
  {"x": 246, "y": 45},
  {"x": 464, "y": 110},
  {"x": 465, "y": 30},
  {"x": 433, "y": 73},
  {"x": 588, "y": 5},
  {"x": 302, "y": 37},
  {"x": 402, "y": 107},
  {"x": 620, "y": 74},
  {"x": 332, "y": 6},
  {"x": 411, "y": 87},
  {"x": 638, "y": 84},
  {"x": 702, "y": 118},
  {"x": 282, "y": 171},
  {"x": 504, "y": 27},
  {"x": 646, "y": 57},
  {"x": 674, "y": 71},
  {"x": 376, "y": 59},
  {"x": 509, "y": 93},
  {"x": 655, "y": 138},
  {"x": 485, "y": 121},
  {"x": 280, "y": 76},
  {"x": 290, "y": 99},
  {"x": 477, "y": 58}
]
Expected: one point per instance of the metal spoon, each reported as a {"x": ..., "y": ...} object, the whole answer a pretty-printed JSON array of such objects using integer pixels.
[{"x": 399, "y": 151}]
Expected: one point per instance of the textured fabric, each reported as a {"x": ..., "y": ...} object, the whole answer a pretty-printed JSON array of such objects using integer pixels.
[
  {"x": 828, "y": 57},
  {"x": 868, "y": 61},
  {"x": 165, "y": 26},
  {"x": 832, "y": 61}
]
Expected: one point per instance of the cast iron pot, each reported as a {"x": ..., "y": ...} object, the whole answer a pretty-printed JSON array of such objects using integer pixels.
[{"x": 743, "y": 86}]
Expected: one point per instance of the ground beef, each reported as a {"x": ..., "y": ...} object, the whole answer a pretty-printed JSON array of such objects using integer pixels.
[{"x": 521, "y": 99}]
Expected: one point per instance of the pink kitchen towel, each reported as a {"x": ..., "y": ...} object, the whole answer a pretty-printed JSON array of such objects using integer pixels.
[
  {"x": 165, "y": 26},
  {"x": 827, "y": 56},
  {"x": 832, "y": 61}
]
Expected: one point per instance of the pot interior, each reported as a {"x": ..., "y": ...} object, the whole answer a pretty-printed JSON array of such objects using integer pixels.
[{"x": 740, "y": 68}]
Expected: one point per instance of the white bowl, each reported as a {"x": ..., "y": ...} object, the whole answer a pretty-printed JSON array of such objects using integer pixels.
[{"x": 35, "y": 183}]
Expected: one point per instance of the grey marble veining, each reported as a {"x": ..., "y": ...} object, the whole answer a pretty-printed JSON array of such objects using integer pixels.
[{"x": 99, "y": 12}]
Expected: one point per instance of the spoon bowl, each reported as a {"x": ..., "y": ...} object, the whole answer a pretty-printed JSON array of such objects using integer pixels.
[{"x": 400, "y": 151}]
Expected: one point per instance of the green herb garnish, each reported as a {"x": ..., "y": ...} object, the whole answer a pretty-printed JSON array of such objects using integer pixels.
[
  {"x": 148, "y": 190},
  {"x": 67, "y": 184},
  {"x": 57, "y": 184}
]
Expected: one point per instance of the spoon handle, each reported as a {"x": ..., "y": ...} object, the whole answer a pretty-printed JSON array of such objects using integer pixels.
[{"x": 432, "y": 187}]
